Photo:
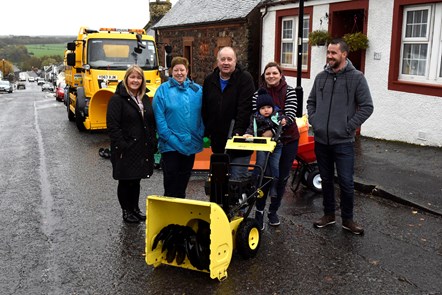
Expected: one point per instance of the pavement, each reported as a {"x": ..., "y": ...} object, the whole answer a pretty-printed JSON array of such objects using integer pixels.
[{"x": 405, "y": 173}]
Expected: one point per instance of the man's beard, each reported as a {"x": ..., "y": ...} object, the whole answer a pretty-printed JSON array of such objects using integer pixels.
[{"x": 333, "y": 65}]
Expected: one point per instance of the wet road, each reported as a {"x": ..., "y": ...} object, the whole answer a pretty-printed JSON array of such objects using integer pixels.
[{"x": 62, "y": 231}]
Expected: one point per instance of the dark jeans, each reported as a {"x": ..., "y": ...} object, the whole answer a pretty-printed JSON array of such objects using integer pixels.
[
  {"x": 128, "y": 192},
  {"x": 177, "y": 169},
  {"x": 341, "y": 155},
  {"x": 288, "y": 154}
]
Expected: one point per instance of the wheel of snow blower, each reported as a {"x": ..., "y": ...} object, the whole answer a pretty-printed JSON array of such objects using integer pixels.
[{"x": 248, "y": 238}]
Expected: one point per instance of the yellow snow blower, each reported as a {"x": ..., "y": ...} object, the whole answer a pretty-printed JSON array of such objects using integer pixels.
[{"x": 202, "y": 235}]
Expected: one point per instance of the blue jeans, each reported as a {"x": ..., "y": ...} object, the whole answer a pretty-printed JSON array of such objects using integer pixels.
[
  {"x": 272, "y": 169},
  {"x": 341, "y": 155},
  {"x": 238, "y": 172},
  {"x": 288, "y": 154}
]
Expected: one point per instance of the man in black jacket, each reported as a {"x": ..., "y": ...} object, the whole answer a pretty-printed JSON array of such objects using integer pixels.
[{"x": 227, "y": 96}]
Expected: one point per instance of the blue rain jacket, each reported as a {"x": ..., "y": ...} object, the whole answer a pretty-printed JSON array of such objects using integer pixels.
[{"x": 177, "y": 110}]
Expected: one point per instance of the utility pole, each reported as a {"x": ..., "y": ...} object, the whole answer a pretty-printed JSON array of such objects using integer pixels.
[{"x": 298, "y": 89}]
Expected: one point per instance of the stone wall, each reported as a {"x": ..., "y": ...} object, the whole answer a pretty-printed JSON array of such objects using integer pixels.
[{"x": 201, "y": 44}]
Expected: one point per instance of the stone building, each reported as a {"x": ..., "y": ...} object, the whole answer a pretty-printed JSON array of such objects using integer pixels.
[{"x": 197, "y": 29}]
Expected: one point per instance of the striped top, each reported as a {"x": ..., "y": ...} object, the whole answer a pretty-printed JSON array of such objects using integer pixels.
[{"x": 291, "y": 104}]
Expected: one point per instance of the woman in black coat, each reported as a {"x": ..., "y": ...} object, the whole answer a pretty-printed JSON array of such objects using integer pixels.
[{"x": 131, "y": 127}]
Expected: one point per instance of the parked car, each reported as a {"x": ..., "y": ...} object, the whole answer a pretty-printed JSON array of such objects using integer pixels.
[
  {"x": 21, "y": 85},
  {"x": 6, "y": 86},
  {"x": 31, "y": 79},
  {"x": 59, "y": 91},
  {"x": 47, "y": 87},
  {"x": 40, "y": 81}
]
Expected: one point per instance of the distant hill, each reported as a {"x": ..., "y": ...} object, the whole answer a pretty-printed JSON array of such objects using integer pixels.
[
  {"x": 40, "y": 50},
  {"x": 29, "y": 40}
]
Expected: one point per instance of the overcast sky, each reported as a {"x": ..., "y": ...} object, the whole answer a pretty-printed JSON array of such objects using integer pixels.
[{"x": 57, "y": 17}]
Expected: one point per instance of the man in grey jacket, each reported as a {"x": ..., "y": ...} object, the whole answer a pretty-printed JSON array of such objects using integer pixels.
[{"x": 338, "y": 104}]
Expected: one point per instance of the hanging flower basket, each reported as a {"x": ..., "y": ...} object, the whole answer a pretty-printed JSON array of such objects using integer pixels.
[
  {"x": 319, "y": 38},
  {"x": 356, "y": 41}
]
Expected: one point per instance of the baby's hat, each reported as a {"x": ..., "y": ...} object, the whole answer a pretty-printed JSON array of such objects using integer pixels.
[{"x": 264, "y": 99}]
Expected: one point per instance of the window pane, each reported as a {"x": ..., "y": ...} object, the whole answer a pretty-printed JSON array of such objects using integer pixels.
[
  {"x": 417, "y": 23},
  {"x": 414, "y": 60},
  {"x": 305, "y": 28},
  {"x": 287, "y": 53},
  {"x": 305, "y": 54},
  {"x": 287, "y": 29}
]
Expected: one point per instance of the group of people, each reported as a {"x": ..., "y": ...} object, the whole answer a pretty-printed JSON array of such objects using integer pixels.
[{"x": 183, "y": 112}]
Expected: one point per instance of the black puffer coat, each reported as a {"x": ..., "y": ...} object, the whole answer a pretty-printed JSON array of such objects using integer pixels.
[{"x": 133, "y": 137}]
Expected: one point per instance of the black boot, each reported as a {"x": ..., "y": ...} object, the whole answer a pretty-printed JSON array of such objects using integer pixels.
[
  {"x": 138, "y": 214},
  {"x": 129, "y": 217}
]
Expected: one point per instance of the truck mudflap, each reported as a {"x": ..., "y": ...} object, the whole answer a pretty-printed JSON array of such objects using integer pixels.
[
  {"x": 97, "y": 109},
  {"x": 190, "y": 234}
]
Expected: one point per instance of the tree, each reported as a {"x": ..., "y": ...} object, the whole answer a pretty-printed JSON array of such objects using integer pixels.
[
  {"x": 6, "y": 67},
  {"x": 32, "y": 62}
]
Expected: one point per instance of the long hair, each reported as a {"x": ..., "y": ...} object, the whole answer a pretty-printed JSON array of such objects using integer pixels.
[{"x": 138, "y": 70}]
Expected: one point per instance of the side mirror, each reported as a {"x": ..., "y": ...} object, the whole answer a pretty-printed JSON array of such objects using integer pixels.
[
  {"x": 70, "y": 59},
  {"x": 140, "y": 41},
  {"x": 71, "y": 46}
]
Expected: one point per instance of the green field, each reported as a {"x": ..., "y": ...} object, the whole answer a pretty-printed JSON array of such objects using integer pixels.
[{"x": 39, "y": 50}]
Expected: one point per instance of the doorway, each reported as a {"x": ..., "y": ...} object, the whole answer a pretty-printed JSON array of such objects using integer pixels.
[{"x": 350, "y": 17}]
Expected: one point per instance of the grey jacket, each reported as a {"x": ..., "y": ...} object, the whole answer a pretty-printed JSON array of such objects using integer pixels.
[{"x": 338, "y": 104}]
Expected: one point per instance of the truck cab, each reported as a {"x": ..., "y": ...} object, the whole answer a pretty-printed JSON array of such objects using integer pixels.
[{"x": 96, "y": 62}]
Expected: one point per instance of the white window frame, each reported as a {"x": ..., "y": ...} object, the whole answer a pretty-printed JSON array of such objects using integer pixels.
[
  {"x": 433, "y": 40},
  {"x": 294, "y": 42}
]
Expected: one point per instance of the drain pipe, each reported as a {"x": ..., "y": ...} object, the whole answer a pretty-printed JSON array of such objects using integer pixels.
[
  {"x": 298, "y": 89},
  {"x": 260, "y": 42}
]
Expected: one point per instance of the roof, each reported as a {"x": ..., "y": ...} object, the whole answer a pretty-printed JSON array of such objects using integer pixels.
[{"x": 186, "y": 12}]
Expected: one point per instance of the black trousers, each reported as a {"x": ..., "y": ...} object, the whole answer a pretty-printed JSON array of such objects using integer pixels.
[
  {"x": 177, "y": 169},
  {"x": 129, "y": 194}
]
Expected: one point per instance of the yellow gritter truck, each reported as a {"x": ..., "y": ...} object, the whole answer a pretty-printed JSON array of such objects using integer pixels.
[{"x": 94, "y": 64}]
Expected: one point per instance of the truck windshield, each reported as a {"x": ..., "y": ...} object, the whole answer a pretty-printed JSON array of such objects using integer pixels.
[{"x": 119, "y": 54}]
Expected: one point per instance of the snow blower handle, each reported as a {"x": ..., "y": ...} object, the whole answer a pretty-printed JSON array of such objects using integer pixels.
[
  {"x": 232, "y": 124},
  {"x": 278, "y": 133}
]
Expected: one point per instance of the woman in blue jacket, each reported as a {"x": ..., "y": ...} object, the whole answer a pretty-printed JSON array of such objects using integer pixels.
[{"x": 177, "y": 109}]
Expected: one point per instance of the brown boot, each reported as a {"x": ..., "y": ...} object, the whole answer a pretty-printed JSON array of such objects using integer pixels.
[
  {"x": 352, "y": 226},
  {"x": 324, "y": 221}
]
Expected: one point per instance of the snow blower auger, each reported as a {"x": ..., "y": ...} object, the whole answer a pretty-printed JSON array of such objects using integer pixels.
[{"x": 201, "y": 235}]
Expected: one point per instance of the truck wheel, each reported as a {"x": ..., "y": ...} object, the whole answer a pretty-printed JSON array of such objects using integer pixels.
[
  {"x": 314, "y": 181},
  {"x": 248, "y": 238},
  {"x": 80, "y": 104}
]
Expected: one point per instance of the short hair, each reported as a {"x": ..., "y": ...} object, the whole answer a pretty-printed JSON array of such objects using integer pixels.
[
  {"x": 179, "y": 60},
  {"x": 227, "y": 47},
  {"x": 138, "y": 70},
  {"x": 342, "y": 44}
]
